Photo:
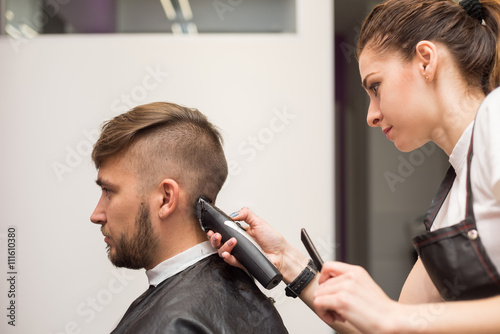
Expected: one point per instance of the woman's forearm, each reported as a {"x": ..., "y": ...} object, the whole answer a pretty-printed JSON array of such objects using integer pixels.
[{"x": 478, "y": 316}]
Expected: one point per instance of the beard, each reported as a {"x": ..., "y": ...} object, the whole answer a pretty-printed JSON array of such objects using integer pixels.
[{"x": 136, "y": 251}]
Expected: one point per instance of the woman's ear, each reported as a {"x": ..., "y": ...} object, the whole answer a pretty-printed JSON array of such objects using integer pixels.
[
  {"x": 170, "y": 197},
  {"x": 427, "y": 59}
]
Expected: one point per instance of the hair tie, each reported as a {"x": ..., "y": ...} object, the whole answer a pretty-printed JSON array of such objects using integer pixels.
[{"x": 473, "y": 8}]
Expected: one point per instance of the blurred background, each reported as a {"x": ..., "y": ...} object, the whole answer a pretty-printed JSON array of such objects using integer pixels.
[{"x": 280, "y": 78}]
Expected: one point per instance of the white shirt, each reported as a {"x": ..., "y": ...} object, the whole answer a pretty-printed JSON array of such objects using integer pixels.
[
  {"x": 178, "y": 263},
  {"x": 485, "y": 178}
]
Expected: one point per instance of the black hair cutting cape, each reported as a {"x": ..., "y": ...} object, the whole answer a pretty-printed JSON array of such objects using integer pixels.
[{"x": 208, "y": 297}]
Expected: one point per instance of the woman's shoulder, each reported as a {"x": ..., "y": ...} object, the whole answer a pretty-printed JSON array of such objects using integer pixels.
[
  {"x": 493, "y": 98},
  {"x": 489, "y": 111},
  {"x": 487, "y": 128}
]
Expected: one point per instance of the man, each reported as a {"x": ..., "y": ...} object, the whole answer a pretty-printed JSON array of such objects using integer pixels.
[{"x": 153, "y": 163}]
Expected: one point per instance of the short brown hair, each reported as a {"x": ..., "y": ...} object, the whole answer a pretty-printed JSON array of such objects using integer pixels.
[
  {"x": 167, "y": 140},
  {"x": 398, "y": 25}
]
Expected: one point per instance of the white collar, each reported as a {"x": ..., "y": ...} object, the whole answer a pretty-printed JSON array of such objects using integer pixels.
[
  {"x": 459, "y": 153},
  {"x": 178, "y": 263}
]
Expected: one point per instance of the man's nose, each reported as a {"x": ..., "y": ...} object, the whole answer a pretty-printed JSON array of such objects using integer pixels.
[{"x": 99, "y": 215}]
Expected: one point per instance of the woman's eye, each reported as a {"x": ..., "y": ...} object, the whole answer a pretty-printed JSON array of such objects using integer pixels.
[
  {"x": 374, "y": 88},
  {"x": 105, "y": 190}
]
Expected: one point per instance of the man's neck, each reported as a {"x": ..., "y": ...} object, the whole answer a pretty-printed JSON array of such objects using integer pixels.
[{"x": 176, "y": 238}]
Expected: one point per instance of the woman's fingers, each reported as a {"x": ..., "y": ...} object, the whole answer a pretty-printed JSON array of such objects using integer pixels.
[{"x": 224, "y": 249}]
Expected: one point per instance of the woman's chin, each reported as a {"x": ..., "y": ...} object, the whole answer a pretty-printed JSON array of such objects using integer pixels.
[{"x": 406, "y": 147}]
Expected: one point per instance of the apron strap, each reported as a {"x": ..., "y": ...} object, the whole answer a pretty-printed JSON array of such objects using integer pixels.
[
  {"x": 445, "y": 188},
  {"x": 469, "y": 210},
  {"x": 438, "y": 200}
]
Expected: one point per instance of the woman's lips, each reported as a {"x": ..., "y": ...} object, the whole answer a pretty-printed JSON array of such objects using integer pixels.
[{"x": 387, "y": 130}]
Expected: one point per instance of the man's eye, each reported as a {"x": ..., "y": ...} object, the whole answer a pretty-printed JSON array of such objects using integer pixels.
[{"x": 106, "y": 190}]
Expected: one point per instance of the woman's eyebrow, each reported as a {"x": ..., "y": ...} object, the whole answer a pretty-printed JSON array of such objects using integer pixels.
[{"x": 364, "y": 84}]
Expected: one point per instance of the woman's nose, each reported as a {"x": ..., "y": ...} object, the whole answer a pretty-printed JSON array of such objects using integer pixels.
[{"x": 374, "y": 116}]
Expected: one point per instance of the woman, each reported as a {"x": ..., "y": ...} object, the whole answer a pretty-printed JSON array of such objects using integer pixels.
[{"x": 430, "y": 68}]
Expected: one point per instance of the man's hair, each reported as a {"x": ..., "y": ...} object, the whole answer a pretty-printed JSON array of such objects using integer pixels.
[{"x": 166, "y": 140}]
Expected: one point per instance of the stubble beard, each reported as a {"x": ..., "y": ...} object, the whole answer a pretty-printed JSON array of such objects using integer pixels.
[{"x": 137, "y": 251}]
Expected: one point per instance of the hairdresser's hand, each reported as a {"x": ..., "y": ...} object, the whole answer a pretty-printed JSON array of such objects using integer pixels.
[
  {"x": 348, "y": 292},
  {"x": 284, "y": 256},
  {"x": 270, "y": 240}
]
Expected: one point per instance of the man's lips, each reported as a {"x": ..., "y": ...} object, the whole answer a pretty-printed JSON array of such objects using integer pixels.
[{"x": 107, "y": 237}]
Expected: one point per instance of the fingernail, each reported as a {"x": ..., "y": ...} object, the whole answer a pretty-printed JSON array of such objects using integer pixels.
[
  {"x": 230, "y": 242},
  {"x": 234, "y": 214}
]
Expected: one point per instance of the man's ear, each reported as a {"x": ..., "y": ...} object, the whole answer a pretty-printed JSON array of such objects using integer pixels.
[
  {"x": 170, "y": 197},
  {"x": 427, "y": 59}
]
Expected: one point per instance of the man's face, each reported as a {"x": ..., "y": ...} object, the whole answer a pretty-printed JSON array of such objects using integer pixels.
[{"x": 124, "y": 217}]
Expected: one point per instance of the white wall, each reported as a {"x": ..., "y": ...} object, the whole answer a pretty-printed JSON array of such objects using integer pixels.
[{"x": 57, "y": 90}]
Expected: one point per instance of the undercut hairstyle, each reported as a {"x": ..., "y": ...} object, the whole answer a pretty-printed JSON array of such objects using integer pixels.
[
  {"x": 166, "y": 140},
  {"x": 398, "y": 26}
]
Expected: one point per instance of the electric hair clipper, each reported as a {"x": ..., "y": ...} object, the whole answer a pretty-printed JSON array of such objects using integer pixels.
[{"x": 246, "y": 250}]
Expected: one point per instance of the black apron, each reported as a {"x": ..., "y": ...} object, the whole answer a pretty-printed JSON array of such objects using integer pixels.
[{"x": 454, "y": 256}]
